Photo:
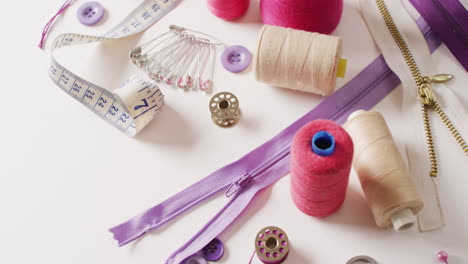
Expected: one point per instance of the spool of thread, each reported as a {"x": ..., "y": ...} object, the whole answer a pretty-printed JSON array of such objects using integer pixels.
[
  {"x": 272, "y": 245},
  {"x": 321, "y": 157},
  {"x": 309, "y": 15},
  {"x": 297, "y": 60},
  {"x": 385, "y": 180},
  {"x": 228, "y": 9}
]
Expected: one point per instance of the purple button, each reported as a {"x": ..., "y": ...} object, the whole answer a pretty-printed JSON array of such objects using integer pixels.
[
  {"x": 214, "y": 250},
  {"x": 236, "y": 58},
  {"x": 90, "y": 13},
  {"x": 194, "y": 259}
]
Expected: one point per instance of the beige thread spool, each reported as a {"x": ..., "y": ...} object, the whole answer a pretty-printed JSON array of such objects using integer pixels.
[
  {"x": 385, "y": 180},
  {"x": 297, "y": 59},
  {"x": 224, "y": 108}
]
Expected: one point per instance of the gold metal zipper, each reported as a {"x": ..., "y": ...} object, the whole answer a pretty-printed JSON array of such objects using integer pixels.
[{"x": 425, "y": 93}]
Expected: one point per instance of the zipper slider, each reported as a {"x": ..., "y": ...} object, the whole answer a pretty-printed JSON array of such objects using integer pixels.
[
  {"x": 444, "y": 77},
  {"x": 236, "y": 186},
  {"x": 426, "y": 95}
]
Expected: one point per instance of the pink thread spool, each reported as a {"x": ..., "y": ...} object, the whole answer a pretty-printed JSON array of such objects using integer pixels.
[
  {"x": 321, "y": 157},
  {"x": 320, "y": 16},
  {"x": 228, "y": 9}
]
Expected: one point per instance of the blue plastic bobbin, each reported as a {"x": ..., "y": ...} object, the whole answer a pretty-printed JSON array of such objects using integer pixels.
[{"x": 323, "y": 143}]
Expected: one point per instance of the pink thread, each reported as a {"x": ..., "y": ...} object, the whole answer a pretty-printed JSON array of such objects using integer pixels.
[
  {"x": 319, "y": 183},
  {"x": 320, "y": 16},
  {"x": 253, "y": 255},
  {"x": 49, "y": 24},
  {"x": 228, "y": 9}
]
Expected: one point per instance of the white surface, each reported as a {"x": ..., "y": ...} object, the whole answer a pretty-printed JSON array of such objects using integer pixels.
[{"x": 67, "y": 176}]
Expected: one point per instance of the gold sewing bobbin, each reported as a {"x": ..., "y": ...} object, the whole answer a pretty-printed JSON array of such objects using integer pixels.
[{"x": 224, "y": 108}]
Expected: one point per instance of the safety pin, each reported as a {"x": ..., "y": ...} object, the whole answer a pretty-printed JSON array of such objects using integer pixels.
[
  {"x": 137, "y": 53},
  {"x": 181, "y": 58},
  {"x": 190, "y": 78},
  {"x": 174, "y": 62},
  {"x": 184, "y": 66},
  {"x": 156, "y": 67},
  {"x": 190, "y": 46},
  {"x": 205, "y": 84}
]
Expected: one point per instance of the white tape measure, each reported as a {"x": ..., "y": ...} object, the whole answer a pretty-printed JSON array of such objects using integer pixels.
[{"x": 132, "y": 106}]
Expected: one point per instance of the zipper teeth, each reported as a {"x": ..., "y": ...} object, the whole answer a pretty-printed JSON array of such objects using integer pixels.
[
  {"x": 459, "y": 30},
  {"x": 451, "y": 128},
  {"x": 262, "y": 168},
  {"x": 404, "y": 49},
  {"x": 256, "y": 172},
  {"x": 185, "y": 209},
  {"x": 425, "y": 93},
  {"x": 411, "y": 63}
]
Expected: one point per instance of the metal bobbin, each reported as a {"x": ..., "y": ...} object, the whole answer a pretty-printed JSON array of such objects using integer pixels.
[
  {"x": 361, "y": 259},
  {"x": 272, "y": 245},
  {"x": 224, "y": 108}
]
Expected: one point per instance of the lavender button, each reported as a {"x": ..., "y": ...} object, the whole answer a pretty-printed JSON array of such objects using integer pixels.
[
  {"x": 236, "y": 58},
  {"x": 214, "y": 250},
  {"x": 90, "y": 13},
  {"x": 195, "y": 259}
]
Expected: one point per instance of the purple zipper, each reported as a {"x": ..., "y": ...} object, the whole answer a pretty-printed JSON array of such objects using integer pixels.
[
  {"x": 449, "y": 20},
  {"x": 264, "y": 165}
]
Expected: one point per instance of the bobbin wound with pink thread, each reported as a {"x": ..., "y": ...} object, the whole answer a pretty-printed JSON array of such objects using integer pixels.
[
  {"x": 321, "y": 157},
  {"x": 272, "y": 245}
]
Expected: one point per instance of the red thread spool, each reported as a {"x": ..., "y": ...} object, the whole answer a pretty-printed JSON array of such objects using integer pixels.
[
  {"x": 320, "y": 16},
  {"x": 228, "y": 9},
  {"x": 321, "y": 158}
]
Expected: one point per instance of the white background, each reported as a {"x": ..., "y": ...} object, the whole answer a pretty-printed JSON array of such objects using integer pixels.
[{"x": 67, "y": 176}]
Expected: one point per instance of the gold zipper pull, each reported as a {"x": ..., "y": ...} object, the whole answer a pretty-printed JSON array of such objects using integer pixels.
[
  {"x": 426, "y": 96},
  {"x": 438, "y": 78}
]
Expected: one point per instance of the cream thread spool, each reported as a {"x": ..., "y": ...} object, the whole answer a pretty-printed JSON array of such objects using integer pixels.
[
  {"x": 385, "y": 179},
  {"x": 297, "y": 59},
  {"x": 224, "y": 108}
]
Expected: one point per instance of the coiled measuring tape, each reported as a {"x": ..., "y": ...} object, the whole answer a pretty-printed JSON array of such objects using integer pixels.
[{"x": 132, "y": 106}]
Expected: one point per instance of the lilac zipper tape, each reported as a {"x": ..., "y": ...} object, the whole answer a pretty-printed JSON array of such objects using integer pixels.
[
  {"x": 263, "y": 166},
  {"x": 449, "y": 20}
]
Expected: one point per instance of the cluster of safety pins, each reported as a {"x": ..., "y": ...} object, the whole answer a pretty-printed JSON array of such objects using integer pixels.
[{"x": 179, "y": 58}]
